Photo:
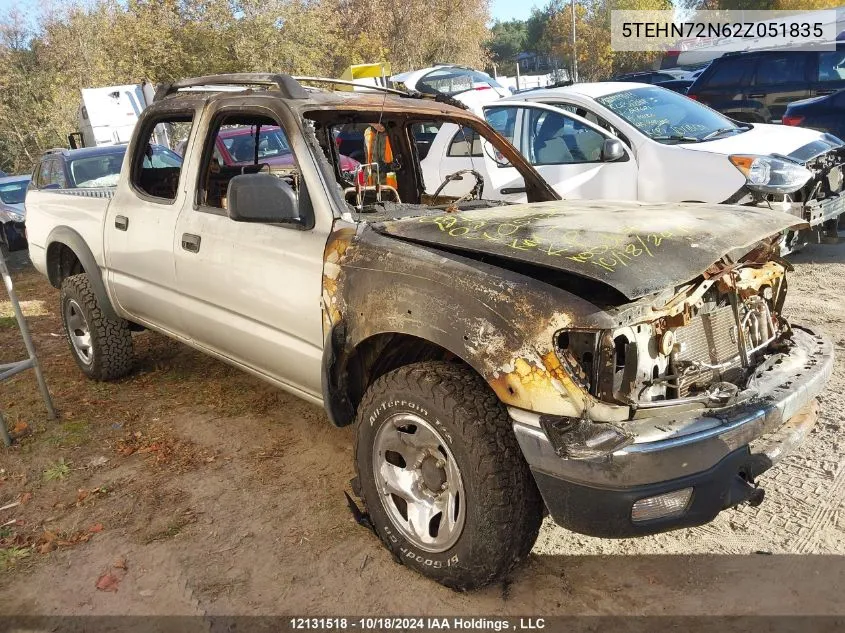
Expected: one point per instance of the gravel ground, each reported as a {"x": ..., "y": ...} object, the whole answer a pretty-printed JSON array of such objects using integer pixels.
[
  {"x": 802, "y": 512},
  {"x": 203, "y": 491}
]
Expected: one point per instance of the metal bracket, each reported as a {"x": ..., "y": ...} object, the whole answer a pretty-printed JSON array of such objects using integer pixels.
[{"x": 8, "y": 370}]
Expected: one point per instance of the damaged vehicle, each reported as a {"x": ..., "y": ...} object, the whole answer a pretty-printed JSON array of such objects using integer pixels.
[
  {"x": 625, "y": 367},
  {"x": 630, "y": 141}
]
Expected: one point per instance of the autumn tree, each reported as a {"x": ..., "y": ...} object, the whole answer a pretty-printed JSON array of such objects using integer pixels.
[{"x": 74, "y": 45}]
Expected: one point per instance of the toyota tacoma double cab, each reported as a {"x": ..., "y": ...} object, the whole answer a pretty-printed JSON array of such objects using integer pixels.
[{"x": 625, "y": 367}]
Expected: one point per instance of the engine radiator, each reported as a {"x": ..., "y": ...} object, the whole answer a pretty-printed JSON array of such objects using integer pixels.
[{"x": 710, "y": 338}]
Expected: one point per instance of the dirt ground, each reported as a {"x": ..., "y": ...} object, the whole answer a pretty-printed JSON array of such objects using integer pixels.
[{"x": 191, "y": 488}]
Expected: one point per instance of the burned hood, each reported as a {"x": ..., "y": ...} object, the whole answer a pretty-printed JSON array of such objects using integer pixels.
[{"x": 635, "y": 248}]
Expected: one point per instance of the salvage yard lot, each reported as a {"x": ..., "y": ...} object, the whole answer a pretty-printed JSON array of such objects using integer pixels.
[{"x": 193, "y": 488}]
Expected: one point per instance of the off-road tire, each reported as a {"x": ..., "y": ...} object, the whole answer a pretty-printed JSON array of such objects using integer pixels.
[
  {"x": 502, "y": 504},
  {"x": 111, "y": 340}
]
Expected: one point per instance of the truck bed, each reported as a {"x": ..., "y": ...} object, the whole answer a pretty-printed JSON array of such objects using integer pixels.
[{"x": 82, "y": 210}]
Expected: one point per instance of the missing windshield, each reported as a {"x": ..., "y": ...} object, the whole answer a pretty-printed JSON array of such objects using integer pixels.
[{"x": 382, "y": 161}]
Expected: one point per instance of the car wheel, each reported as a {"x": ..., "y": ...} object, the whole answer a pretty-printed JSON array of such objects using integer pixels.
[
  {"x": 102, "y": 347},
  {"x": 442, "y": 476}
]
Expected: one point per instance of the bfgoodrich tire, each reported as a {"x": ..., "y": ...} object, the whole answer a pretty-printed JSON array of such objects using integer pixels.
[
  {"x": 442, "y": 475},
  {"x": 102, "y": 347}
]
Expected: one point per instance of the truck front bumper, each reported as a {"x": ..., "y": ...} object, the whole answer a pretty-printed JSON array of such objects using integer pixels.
[{"x": 706, "y": 460}]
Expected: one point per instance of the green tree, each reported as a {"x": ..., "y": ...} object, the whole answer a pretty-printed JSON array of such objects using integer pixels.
[{"x": 506, "y": 40}]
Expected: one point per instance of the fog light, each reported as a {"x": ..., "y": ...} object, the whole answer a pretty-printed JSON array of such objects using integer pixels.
[{"x": 661, "y": 506}]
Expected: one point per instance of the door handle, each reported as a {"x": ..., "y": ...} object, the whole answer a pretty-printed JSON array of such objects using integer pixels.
[
  {"x": 508, "y": 190},
  {"x": 819, "y": 93},
  {"x": 191, "y": 242},
  {"x": 121, "y": 222},
  {"x": 757, "y": 95}
]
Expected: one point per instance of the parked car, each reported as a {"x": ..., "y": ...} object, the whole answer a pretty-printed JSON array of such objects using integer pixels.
[
  {"x": 640, "y": 142},
  {"x": 646, "y": 77},
  {"x": 676, "y": 85},
  {"x": 626, "y": 366},
  {"x": 757, "y": 87},
  {"x": 235, "y": 146},
  {"x": 12, "y": 212},
  {"x": 471, "y": 87},
  {"x": 91, "y": 167},
  {"x": 825, "y": 113}
]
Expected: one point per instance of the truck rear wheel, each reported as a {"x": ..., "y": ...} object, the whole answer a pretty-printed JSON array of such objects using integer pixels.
[
  {"x": 440, "y": 471},
  {"x": 102, "y": 347}
]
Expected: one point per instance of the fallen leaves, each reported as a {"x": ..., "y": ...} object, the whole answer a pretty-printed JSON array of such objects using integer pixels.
[
  {"x": 163, "y": 449},
  {"x": 110, "y": 579},
  {"x": 49, "y": 540},
  {"x": 108, "y": 582},
  {"x": 19, "y": 430}
]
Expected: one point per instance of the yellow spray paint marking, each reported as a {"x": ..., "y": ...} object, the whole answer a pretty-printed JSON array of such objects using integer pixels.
[{"x": 608, "y": 253}]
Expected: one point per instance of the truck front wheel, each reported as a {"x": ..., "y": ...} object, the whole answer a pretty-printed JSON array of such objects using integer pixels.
[
  {"x": 440, "y": 471},
  {"x": 102, "y": 347}
]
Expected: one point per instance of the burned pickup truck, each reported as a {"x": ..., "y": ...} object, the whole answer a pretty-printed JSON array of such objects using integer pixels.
[{"x": 624, "y": 366}]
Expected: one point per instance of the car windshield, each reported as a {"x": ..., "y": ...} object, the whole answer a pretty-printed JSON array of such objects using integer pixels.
[
  {"x": 668, "y": 117},
  {"x": 13, "y": 192},
  {"x": 241, "y": 143},
  {"x": 453, "y": 81},
  {"x": 101, "y": 170},
  {"x": 162, "y": 157}
]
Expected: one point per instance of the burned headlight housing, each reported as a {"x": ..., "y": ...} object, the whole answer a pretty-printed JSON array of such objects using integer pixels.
[
  {"x": 768, "y": 174},
  {"x": 577, "y": 351}
]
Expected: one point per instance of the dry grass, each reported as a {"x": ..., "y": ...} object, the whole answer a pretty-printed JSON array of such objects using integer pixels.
[{"x": 64, "y": 469}]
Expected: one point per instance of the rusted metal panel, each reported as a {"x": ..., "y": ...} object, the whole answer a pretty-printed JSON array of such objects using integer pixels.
[
  {"x": 501, "y": 323},
  {"x": 635, "y": 248}
]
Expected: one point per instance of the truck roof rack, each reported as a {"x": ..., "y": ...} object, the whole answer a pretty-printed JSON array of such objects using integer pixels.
[
  {"x": 356, "y": 84},
  {"x": 287, "y": 85},
  {"x": 410, "y": 94}
]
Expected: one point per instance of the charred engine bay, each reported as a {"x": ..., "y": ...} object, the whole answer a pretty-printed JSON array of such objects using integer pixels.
[{"x": 552, "y": 340}]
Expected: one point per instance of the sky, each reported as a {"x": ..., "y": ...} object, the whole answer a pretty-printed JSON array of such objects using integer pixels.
[{"x": 508, "y": 9}]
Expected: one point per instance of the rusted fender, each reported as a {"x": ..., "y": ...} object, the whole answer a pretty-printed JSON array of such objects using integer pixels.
[{"x": 499, "y": 322}]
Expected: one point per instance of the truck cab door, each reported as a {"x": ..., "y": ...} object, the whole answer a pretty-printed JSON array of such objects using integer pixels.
[
  {"x": 140, "y": 223},
  {"x": 252, "y": 290}
]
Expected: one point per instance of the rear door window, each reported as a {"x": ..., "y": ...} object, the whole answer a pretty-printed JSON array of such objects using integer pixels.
[
  {"x": 788, "y": 68},
  {"x": 831, "y": 66},
  {"x": 57, "y": 174},
  {"x": 466, "y": 142},
  {"x": 156, "y": 168},
  {"x": 731, "y": 71},
  {"x": 44, "y": 173}
]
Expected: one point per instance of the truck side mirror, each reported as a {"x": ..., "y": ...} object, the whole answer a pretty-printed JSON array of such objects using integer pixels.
[
  {"x": 611, "y": 150},
  {"x": 262, "y": 197}
]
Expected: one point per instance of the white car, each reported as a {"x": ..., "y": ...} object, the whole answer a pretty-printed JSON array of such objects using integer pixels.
[
  {"x": 629, "y": 141},
  {"x": 469, "y": 86}
]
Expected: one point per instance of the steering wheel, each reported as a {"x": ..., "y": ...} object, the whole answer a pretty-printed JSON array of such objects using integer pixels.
[{"x": 473, "y": 194}]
